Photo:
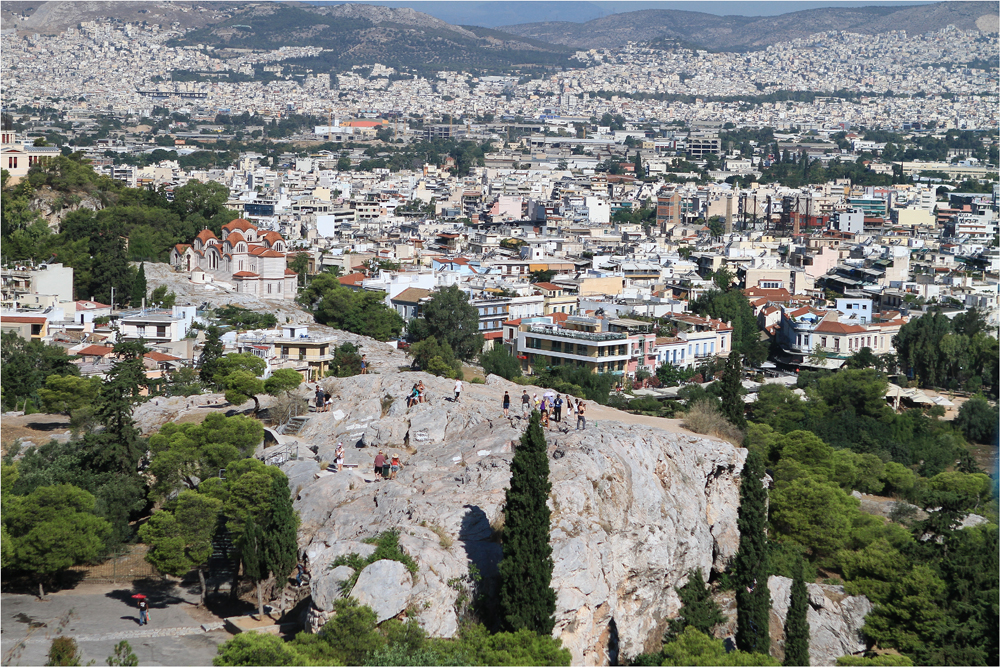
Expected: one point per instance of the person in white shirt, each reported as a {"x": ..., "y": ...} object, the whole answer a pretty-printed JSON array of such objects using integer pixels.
[{"x": 458, "y": 390}]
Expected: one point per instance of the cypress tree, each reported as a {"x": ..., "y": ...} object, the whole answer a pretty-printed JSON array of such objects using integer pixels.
[
  {"x": 732, "y": 401},
  {"x": 252, "y": 554},
  {"x": 139, "y": 286},
  {"x": 698, "y": 609},
  {"x": 797, "y": 623},
  {"x": 753, "y": 599},
  {"x": 281, "y": 547},
  {"x": 526, "y": 596},
  {"x": 210, "y": 355}
]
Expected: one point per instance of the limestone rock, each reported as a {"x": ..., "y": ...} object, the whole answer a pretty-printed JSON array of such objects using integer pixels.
[
  {"x": 384, "y": 586},
  {"x": 634, "y": 508},
  {"x": 835, "y": 620},
  {"x": 326, "y": 589}
]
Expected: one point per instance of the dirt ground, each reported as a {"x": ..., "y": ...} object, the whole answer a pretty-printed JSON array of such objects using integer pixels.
[{"x": 38, "y": 428}]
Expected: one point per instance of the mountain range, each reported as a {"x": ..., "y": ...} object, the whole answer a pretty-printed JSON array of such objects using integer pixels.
[
  {"x": 745, "y": 33},
  {"x": 407, "y": 39}
]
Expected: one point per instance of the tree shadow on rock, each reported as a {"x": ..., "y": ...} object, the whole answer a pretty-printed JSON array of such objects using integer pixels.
[{"x": 484, "y": 553}]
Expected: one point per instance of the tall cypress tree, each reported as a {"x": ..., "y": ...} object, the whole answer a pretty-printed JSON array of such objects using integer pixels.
[
  {"x": 753, "y": 599},
  {"x": 210, "y": 355},
  {"x": 526, "y": 596},
  {"x": 251, "y": 547},
  {"x": 281, "y": 547},
  {"x": 797, "y": 623},
  {"x": 732, "y": 402},
  {"x": 139, "y": 286}
]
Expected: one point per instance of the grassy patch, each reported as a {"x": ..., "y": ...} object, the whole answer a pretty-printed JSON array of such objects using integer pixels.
[{"x": 386, "y": 548}]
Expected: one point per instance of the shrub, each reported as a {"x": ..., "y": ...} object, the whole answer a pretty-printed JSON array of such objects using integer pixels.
[{"x": 705, "y": 417}]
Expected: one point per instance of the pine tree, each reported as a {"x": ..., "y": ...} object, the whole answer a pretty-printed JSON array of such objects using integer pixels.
[
  {"x": 698, "y": 609},
  {"x": 753, "y": 599},
  {"x": 139, "y": 286},
  {"x": 118, "y": 447},
  {"x": 526, "y": 596},
  {"x": 797, "y": 623},
  {"x": 732, "y": 401},
  {"x": 281, "y": 546},
  {"x": 210, "y": 355}
]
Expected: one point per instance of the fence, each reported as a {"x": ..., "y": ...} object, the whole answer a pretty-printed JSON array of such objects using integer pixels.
[{"x": 126, "y": 565}]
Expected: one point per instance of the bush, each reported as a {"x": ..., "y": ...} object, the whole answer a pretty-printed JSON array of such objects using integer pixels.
[
  {"x": 877, "y": 661},
  {"x": 499, "y": 362},
  {"x": 977, "y": 420},
  {"x": 251, "y": 648},
  {"x": 63, "y": 651},
  {"x": 705, "y": 417}
]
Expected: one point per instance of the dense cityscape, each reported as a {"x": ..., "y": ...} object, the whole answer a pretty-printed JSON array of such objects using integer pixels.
[{"x": 716, "y": 328}]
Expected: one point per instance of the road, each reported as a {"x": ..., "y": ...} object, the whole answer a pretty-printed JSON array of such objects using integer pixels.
[{"x": 99, "y": 616}]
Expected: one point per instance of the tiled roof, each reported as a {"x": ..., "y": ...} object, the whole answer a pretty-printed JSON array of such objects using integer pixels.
[
  {"x": 23, "y": 320},
  {"x": 238, "y": 223},
  {"x": 411, "y": 295},
  {"x": 245, "y": 274},
  {"x": 96, "y": 351}
]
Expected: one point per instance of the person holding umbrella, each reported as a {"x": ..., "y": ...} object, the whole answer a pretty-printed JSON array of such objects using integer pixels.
[{"x": 143, "y": 609}]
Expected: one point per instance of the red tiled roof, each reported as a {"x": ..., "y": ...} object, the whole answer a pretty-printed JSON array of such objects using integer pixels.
[
  {"x": 238, "y": 223},
  {"x": 547, "y": 286},
  {"x": 159, "y": 356},
  {"x": 181, "y": 247},
  {"x": 780, "y": 294},
  {"x": 289, "y": 272},
  {"x": 205, "y": 235},
  {"x": 559, "y": 317},
  {"x": 837, "y": 327},
  {"x": 234, "y": 237},
  {"x": 23, "y": 320},
  {"x": 492, "y": 335},
  {"x": 245, "y": 274},
  {"x": 96, "y": 351},
  {"x": 352, "y": 279},
  {"x": 90, "y": 305},
  {"x": 271, "y": 253}
]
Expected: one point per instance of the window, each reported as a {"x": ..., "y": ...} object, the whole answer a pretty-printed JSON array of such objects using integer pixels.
[
  {"x": 836, "y": 344},
  {"x": 140, "y": 330},
  {"x": 161, "y": 332},
  {"x": 822, "y": 341},
  {"x": 557, "y": 346},
  {"x": 581, "y": 349},
  {"x": 12, "y": 163}
]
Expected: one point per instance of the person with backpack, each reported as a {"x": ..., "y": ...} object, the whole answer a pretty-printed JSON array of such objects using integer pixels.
[
  {"x": 525, "y": 404},
  {"x": 581, "y": 418},
  {"x": 506, "y": 404},
  {"x": 557, "y": 406}
]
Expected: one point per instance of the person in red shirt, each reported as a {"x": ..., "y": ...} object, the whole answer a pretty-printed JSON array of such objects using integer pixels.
[{"x": 380, "y": 461}]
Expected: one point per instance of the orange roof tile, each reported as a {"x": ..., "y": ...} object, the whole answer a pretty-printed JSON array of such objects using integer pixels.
[
  {"x": 96, "y": 351},
  {"x": 245, "y": 274},
  {"x": 238, "y": 223}
]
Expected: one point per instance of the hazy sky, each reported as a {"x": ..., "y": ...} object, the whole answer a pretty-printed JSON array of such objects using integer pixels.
[{"x": 492, "y": 14}]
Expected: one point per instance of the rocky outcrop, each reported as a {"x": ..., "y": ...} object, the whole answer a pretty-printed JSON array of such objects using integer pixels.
[
  {"x": 835, "y": 620},
  {"x": 634, "y": 508},
  {"x": 385, "y": 586}
]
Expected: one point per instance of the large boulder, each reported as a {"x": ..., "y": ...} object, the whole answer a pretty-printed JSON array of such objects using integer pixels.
[
  {"x": 326, "y": 589},
  {"x": 634, "y": 508},
  {"x": 384, "y": 586}
]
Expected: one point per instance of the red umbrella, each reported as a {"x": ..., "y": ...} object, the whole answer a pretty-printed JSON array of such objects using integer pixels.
[{"x": 139, "y": 596}]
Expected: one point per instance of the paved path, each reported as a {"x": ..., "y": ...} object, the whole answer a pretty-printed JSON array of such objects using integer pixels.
[{"x": 99, "y": 616}]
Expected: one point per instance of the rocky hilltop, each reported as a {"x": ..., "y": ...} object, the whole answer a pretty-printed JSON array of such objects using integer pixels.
[{"x": 634, "y": 509}]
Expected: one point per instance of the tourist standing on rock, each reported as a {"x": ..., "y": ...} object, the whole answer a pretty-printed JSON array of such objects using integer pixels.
[
  {"x": 320, "y": 398},
  {"x": 379, "y": 463},
  {"x": 364, "y": 364},
  {"x": 525, "y": 404},
  {"x": 506, "y": 404},
  {"x": 581, "y": 418},
  {"x": 339, "y": 457},
  {"x": 557, "y": 406},
  {"x": 300, "y": 568},
  {"x": 395, "y": 465},
  {"x": 327, "y": 402},
  {"x": 421, "y": 391},
  {"x": 143, "y": 612},
  {"x": 458, "y": 390}
]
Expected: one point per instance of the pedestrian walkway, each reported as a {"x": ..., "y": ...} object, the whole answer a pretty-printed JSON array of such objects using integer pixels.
[{"x": 138, "y": 634}]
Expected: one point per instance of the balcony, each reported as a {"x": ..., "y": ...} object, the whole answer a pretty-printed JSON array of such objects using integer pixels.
[{"x": 597, "y": 337}]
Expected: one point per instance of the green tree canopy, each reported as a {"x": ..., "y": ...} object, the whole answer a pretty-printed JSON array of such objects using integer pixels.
[
  {"x": 360, "y": 312},
  {"x": 978, "y": 420},
  {"x": 732, "y": 306},
  {"x": 65, "y": 393},
  {"x": 452, "y": 319},
  {"x": 750, "y": 567},
  {"x": 498, "y": 361}
]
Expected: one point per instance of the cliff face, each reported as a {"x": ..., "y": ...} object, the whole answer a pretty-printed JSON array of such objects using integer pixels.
[{"x": 634, "y": 508}]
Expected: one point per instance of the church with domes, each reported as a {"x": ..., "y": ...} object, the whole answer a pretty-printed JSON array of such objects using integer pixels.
[{"x": 253, "y": 261}]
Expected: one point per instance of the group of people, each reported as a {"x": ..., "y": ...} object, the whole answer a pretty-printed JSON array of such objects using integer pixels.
[
  {"x": 323, "y": 400},
  {"x": 418, "y": 394},
  {"x": 385, "y": 467},
  {"x": 550, "y": 408}
]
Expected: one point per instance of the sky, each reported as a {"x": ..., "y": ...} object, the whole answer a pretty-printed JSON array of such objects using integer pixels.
[{"x": 493, "y": 14}]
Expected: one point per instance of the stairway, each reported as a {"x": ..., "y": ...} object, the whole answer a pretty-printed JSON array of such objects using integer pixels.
[
  {"x": 294, "y": 425},
  {"x": 291, "y": 595}
]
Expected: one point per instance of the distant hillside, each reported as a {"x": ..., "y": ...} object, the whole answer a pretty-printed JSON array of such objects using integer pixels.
[
  {"x": 54, "y": 17},
  {"x": 742, "y": 33},
  {"x": 364, "y": 35}
]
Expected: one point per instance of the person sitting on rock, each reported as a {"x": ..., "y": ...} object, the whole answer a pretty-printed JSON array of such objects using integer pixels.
[{"x": 413, "y": 397}]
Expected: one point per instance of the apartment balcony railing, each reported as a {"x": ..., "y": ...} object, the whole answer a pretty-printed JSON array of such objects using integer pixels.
[{"x": 579, "y": 335}]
